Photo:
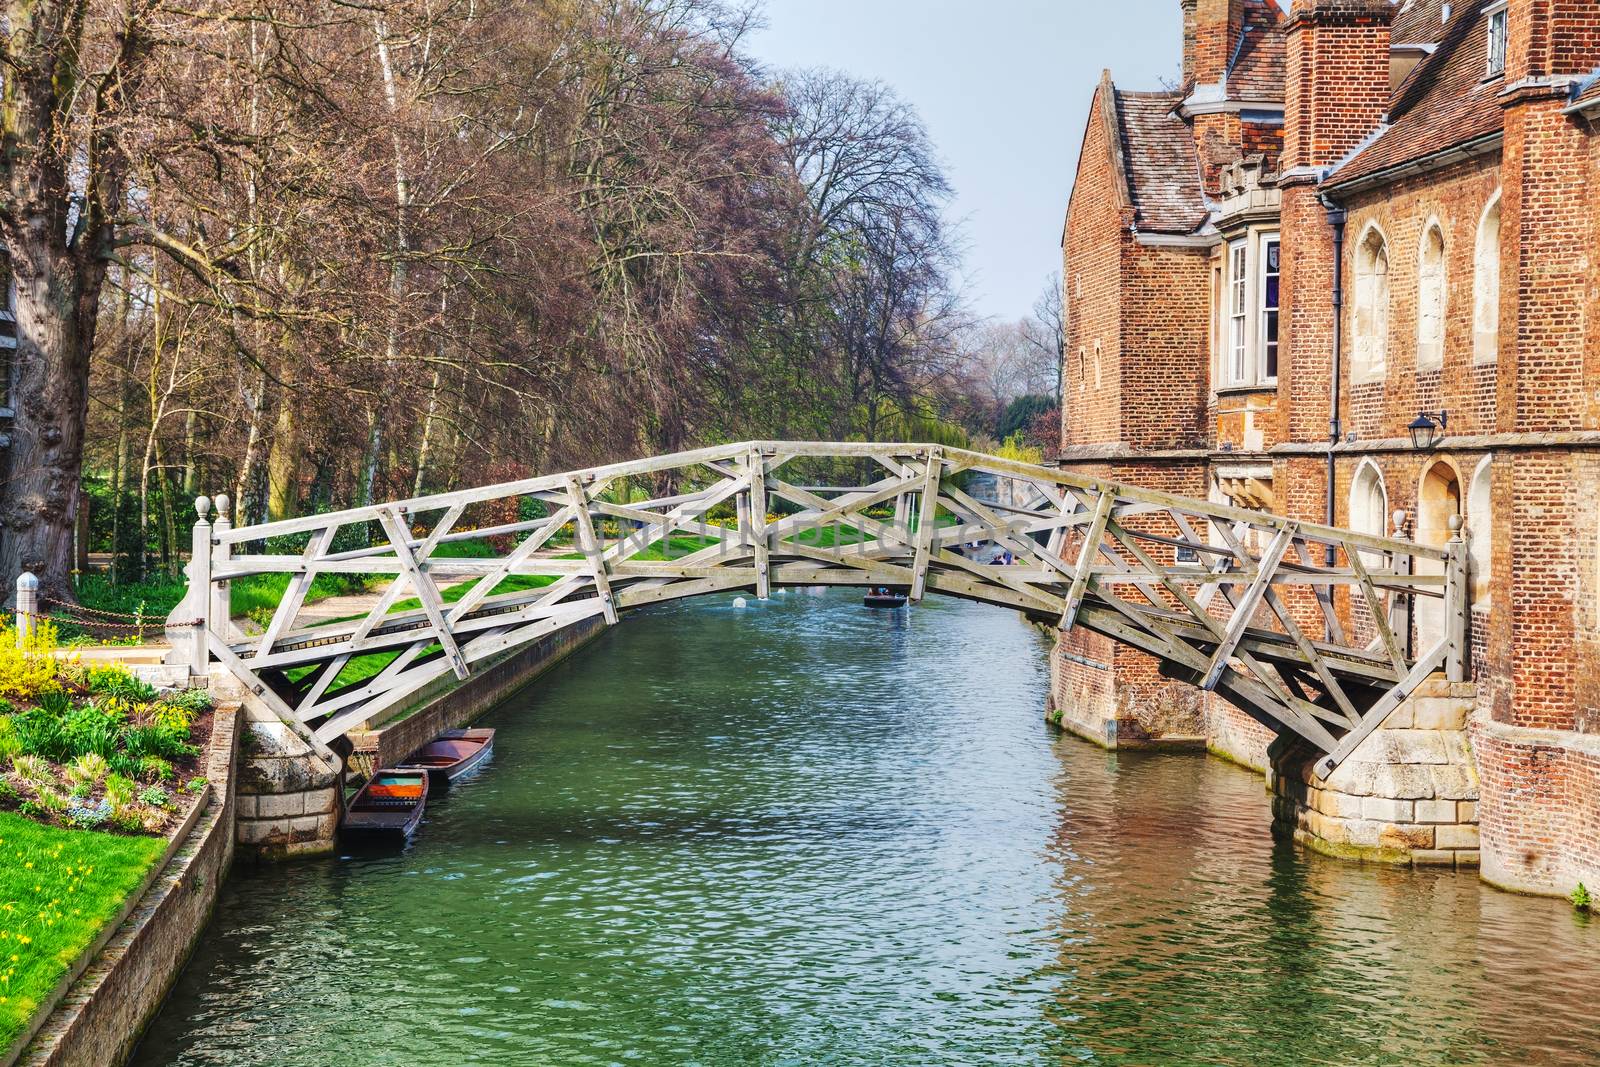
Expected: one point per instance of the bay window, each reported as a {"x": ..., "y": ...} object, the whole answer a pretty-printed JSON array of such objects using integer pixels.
[{"x": 1248, "y": 343}]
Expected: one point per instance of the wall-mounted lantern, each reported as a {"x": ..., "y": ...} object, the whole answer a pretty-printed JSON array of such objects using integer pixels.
[{"x": 1425, "y": 429}]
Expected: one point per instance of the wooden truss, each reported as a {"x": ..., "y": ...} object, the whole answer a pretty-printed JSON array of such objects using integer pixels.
[{"x": 1308, "y": 629}]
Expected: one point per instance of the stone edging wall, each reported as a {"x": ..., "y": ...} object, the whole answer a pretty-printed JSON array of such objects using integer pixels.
[{"x": 100, "y": 1019}]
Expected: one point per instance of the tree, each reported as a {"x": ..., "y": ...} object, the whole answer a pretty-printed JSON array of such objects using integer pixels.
[{"x": 71, "y": 70}]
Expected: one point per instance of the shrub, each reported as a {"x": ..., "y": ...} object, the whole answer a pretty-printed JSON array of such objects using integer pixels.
[
  {"x": 172, "y": 717},
  {"x": 114, "y": 680},
  {"x": 155, "y": 796},
  {"x": 194, "y": 701},
  {"x": 88, "y": 769},
  {"x": 9, "y": 797},
  {"x": 89, "y": 816},
  {"x": 91, "y": 729},
  {"x": 39, "y": 733},
  {"x": 155, "y": 769},
  {"x": 127, "y": 819},
  {"x": 195, "y": 785},
  {"x": 25, "y": 673},
  {"x": 32, "y": 769},
  {"x": 119, "y": 788},
  {"x": 9, "y": 745},
  {"x": 168, "y": 742}
]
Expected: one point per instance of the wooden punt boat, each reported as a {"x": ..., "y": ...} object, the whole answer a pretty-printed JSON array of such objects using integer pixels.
[
  {"x": 451, "y": 754},
  {"x": 884, "y": 597},
  {"x": 390, "y": 805}
]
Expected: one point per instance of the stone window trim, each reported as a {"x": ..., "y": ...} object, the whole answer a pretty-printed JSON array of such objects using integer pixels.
[
  {"x": 1433, "y": 293},
  {"x": 1486, "y": 283},
  {"x": 1480, "y": 531},
  {"x": 1370, "y": 307},
  {"x": 1369, "y": 503},
  {"x": 1245, "y": 324}
]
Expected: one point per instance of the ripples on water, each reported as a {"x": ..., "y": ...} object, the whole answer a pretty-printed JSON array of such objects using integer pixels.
[{"x": 803, "y": 832}]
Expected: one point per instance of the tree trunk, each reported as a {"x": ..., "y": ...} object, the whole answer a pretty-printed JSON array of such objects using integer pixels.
[
  {"x": 283, "y": 465},
  {"x": 244, "y": 496},
  {"x": 57, "y": 297},
  {"x": 191, "y": 469}
]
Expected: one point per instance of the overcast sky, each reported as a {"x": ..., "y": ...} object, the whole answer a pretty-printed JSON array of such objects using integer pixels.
[{"x": 1004, "y": 88}]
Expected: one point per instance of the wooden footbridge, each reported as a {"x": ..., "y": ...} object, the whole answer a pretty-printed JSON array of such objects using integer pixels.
[{"x": 1308, "y": 629}]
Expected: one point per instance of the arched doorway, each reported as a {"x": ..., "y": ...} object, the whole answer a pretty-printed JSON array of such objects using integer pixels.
[{"x": 1438, "y": 500}]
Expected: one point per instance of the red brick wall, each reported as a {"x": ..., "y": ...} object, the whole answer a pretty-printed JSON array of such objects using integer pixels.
[
  {"x": 1539, "y": 820},
  {"x": 1216, "y": 34},
  {"x": 1093, "y": 249},
  {"x": 1455, "y": 198},
  {"x": 1165, "y": 348},
  {"x": 1552, "y": 37},
  {"x": 1338, "y": 70}
]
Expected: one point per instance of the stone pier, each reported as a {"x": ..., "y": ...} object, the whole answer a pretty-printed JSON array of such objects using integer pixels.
[
  {"x": 1408, "y": 794},
  {"x": 288, "y": 796}
]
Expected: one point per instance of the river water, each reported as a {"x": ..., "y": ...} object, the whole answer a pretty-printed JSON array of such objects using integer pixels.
[{"x": 802, "y": 832}]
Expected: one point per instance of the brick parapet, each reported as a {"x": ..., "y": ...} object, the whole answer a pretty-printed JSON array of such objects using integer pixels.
[{"x": 1540, "y": 812}]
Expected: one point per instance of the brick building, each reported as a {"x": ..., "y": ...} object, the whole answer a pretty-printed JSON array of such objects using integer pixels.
[{"x": 1353, "y": 212}]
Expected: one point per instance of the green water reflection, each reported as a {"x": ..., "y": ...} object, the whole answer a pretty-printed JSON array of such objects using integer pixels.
[{"x": 802, "y": 832}]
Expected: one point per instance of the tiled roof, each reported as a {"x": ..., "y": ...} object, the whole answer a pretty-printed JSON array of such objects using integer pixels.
[
  {"x": 1419, "y": 21},
  {"x": 1444, "y": 102},
  {"x": 1257, "y": 69},
  {"x": 1588, "y": 91},
  {"x": 1163, "y": 168}
]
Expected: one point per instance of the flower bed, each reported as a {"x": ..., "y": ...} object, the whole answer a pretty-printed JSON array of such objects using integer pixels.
[{"x": 94, "y": 748}]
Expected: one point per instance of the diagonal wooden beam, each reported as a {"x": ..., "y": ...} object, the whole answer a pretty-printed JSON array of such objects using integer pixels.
[
  {"x": 589, "y": 545},
  {"x": 1246, "y": 607},
  {"x": 1086, "y": 557},
  {"x": 927, "y": 517},
  {"x": 427, "y": 592},
  {"x": 294, "y": 595}
]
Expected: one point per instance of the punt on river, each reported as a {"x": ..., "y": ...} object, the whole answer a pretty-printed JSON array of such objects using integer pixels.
[
  {"x": 388, "y": 807},
  {"x": 450, "y": 755}
]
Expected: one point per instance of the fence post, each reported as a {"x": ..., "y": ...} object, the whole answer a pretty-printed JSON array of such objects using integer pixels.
[
  {"x": 220, "y": 614},
  {"x": 1457, "y": 602},
  {"x": 27, "y": 608}
]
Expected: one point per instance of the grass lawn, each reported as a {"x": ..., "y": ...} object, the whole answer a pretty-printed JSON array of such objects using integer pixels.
[{"x": 58, "y": 888}]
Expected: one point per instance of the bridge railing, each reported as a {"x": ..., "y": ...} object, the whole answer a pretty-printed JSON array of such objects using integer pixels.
[{"x": 1309, "y": 628}]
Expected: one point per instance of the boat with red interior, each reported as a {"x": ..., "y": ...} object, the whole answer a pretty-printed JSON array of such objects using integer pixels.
[
  {"x": 390, "y": 805},
  {"x": 451, "y": 755}
]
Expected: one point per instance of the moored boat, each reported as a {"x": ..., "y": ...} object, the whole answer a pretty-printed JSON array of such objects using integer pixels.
[
  {"x": 390, "y": 805},
  {"x": 451, "y": 754}
]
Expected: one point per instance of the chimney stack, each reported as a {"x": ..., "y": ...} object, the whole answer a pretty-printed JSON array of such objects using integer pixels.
[{"x": 1188, "y": 7}]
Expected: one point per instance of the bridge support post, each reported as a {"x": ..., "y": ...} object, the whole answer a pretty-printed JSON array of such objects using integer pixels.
[
  {"x": 1458, "y": 604},
  {"x": 219, "y": 618},
  {"x": 755, "y": 498},
  {"x": 187, "y": 629}
]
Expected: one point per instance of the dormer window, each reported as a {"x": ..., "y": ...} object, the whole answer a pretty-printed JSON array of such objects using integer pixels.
[{"x": 1497, "y": 38}]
